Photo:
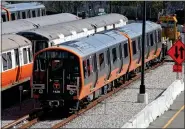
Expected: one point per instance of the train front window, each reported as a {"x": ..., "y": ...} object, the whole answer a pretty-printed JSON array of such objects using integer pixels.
[{"x": 56, "y": 65}]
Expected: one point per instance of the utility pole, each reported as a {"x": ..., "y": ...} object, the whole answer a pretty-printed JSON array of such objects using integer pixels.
[{"x": 142, "y": 96}]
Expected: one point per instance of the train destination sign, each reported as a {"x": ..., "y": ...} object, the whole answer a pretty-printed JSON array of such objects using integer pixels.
[{"x": 177, "y": 52}]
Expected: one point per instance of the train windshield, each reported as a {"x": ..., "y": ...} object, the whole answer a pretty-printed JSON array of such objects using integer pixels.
[{"x": 56, "y": 65}]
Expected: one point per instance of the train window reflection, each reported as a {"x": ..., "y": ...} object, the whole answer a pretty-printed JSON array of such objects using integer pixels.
[
  {"x": 4, "y": 59},
  {"x": 9, "y": 59}
]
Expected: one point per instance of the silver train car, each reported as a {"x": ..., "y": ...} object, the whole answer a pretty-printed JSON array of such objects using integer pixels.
[
  {"x": 59, "y": 33},
  {"x": 37, "y": 22},
  {"x": 82, "y": 70},
  {"x": 17, "y": 11}
]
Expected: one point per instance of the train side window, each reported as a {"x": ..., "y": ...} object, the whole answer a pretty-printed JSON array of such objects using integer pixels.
[
  {"x": 108, "y": 57},
  {"x": 29, "y": 55},
  {"x": 114, "y": 55},
  {"x": 120, "y": 51},
  {"x": 28, "y": 14},
  {"x": 3, "y": 17},
  {"x": 139, "y": 43},
  {"x": 25, "y": 56},
  {"x": 88, "y": 67},
  {"x": 134, "y": 47},
  {"x": 148, "y": 39},
  {"x": 101, "y": 61},
  {"x": 114, "y": 26},
  {"x": 38, "y": 13},
  {"x": 9, "y": 59},
  {"x": 156, "y": 36},
  {"x": 126, "y": 50},
  {"x": 151, "y": 39},
  {"x": 23, "y": 15},
  {"x": 16, "y": 57},
  {"x": 85, "y": 69},
  {"x": 18, "y": 15},
  {"x": 5, "y": 62},
  {"x": 159, "y": 35},
  {"x": 33, "y": 13},
  {"x": 13, "y": 16},
  {"x": 43, "y": 12}
]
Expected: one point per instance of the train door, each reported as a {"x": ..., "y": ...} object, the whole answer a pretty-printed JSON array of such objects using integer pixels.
[{"x": 95, "y": 70}]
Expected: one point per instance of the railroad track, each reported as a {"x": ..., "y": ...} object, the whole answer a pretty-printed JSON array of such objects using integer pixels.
[{"x": 24, "y": 122}]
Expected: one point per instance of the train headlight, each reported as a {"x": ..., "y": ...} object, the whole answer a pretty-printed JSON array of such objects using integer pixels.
[
  {"x": 71, "y": 92},
  {"x": 40, "y": 91}
]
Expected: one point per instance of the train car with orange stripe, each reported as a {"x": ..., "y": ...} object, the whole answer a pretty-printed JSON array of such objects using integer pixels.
[
  {"x": 79, "y": 71},
  {"x": 11, "y": 12},
  {"x": 16, "y": 60}
]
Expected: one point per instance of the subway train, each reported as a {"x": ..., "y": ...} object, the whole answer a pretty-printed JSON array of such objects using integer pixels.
[
  {"x": 17, "y": 11},
  {"x": 81, "y": 70},
  {"x": 12, "y": 44}
]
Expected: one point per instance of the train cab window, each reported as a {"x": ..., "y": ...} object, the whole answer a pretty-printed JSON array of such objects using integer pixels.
[
  {"x": 16, "y": 57},
  {"x": 23, "y": 15},
  {"x": 42, "y": 64},
  {"x": 9, "y": 59},
  {"x": 29, "y": 55},
  {"x": 25, "y": 57},
  {"x": 139, "y": 43},
  {"x": 101, "y": 61},
  {"x": 33, "y": 13},
  {"x": 151, "y": 39},
  {"x": 134, "y": 47},
  {"x": 13, "y": 16},
  {"x": 126, "y": 50},
  {"x": 5, "y": 62},
  {"x": 114, "y": 55},
  {"x": 3, "y": 17}
]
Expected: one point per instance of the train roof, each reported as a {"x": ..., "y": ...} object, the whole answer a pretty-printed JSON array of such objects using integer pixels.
[
  {"x": 87, "y": 46},
  {"x": 31, "y": 23},
  {"x": 22, "y": 6},
  {"x": 92, "y": 44},
  {"x": 12, "y": 41},
  {"x": 66, "y": 29},
  {"x": 135, "y": 29}
]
